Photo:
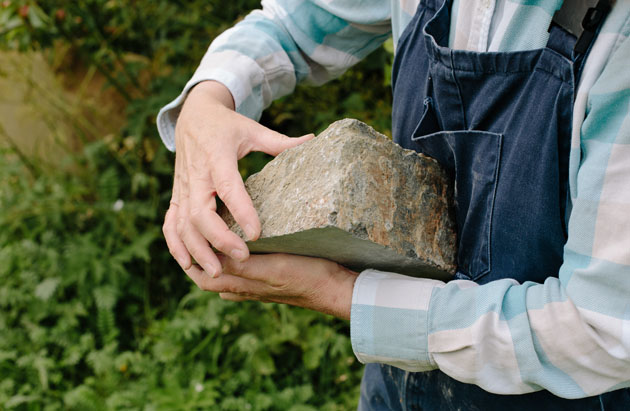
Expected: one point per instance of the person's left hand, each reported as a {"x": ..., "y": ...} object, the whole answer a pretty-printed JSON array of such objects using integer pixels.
[{"x": 313, "y": 283}]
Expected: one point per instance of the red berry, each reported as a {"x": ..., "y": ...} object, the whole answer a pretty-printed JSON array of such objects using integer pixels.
[{"x": 23, "y": 11}]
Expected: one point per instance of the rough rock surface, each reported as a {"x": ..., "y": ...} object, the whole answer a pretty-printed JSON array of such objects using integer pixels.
[{"x": 353, "y": 196}]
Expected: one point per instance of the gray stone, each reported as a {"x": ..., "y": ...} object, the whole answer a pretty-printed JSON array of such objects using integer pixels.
[{"x": 353, "y": 196}]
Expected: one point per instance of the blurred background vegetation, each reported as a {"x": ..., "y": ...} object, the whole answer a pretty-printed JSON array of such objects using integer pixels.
[{"x": 94, "y": 313}]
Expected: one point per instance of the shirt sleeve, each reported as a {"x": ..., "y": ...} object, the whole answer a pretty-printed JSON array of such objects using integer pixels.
[
  {"x": 570, "y": 335},
  {"x": 263, "y": 57}
]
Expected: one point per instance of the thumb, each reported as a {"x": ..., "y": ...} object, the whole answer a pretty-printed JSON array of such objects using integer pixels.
[{"x": 274, "y": 143}]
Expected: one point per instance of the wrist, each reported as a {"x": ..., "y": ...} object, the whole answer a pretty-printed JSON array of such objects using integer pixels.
[
  {"x": 342, "y": 300},
  {"x": 214, "y": 91}
]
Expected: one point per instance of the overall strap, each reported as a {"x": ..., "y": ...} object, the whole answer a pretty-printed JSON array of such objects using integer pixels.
[
  {"x": 574, "y": 29},
  {"x": 582, "y": 18}
]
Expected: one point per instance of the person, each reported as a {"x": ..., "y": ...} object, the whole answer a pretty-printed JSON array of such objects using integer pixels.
[{"x": 534, "y": 125}]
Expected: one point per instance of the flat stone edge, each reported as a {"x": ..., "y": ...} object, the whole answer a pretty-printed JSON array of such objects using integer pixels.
[{"x": 338, "y": 243}]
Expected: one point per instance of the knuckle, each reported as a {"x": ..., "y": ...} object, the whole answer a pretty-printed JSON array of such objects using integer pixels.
[
  {"x": 180, "y": 230},
  {"x": 195, "y": 251},
  {"x": 225, "y": 189},
  {"x": 180, "y": 222},
  {"x": 203, "y": 284},
  {"x": 282, "y": 267},
  {"x": 168, "y": 221},
  {"x": 237, "y": 267},
  {"x": 196, "y": 220},
  {"x": 167, "y": 227},
  {"x": 220, "y": 239},
  {"x": 231, "y": 266},
  {"x": 230, "y": 288},
  {"x": 170, "y": 250},
  {"x": 220, "y": 243},
  {"x": 196, "y": 215}
]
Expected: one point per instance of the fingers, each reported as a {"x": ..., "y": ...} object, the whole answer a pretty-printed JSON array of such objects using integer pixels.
[
  {"x": 227, "y": 284},
  {"x": 231, "y": 190},
  {"x": 219, "y": 235},
  {"x": 204, "y": 219},
  {"x": 274, "y": 143},
  {"x": 200, "y": 250},
  {"x": 264, "y": 268},
  {"x": 195, "y": 243},
  {"x": 176, "y": 246},
  {"x": 233, "y": 297},
  {"x": 277, "y": 270}
]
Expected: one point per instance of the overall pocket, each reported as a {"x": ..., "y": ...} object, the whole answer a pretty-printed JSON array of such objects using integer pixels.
[{"x": 472, "y": 158}]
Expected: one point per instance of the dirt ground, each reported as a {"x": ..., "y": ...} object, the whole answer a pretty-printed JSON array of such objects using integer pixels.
[{"x": 49, "y": 107}]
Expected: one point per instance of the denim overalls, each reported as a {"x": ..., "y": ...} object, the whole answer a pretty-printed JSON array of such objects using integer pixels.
[{"x": 501, "y": 124}]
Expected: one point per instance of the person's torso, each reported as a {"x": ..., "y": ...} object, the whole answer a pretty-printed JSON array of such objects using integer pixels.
[{"x": 500, "y": 123}]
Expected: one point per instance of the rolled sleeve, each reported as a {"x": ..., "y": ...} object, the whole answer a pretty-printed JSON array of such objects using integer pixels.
[
  {"x": 239, "y": 73},
  {"x": 388, "y": 321}
]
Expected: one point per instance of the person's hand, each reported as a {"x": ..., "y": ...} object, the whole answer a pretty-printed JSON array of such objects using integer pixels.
[
  {"x": 210, "y": 139},
  {"x": 313, "y": 283}
]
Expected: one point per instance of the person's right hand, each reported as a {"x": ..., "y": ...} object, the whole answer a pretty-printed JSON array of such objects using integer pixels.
[{"x": 210, "y": 138}]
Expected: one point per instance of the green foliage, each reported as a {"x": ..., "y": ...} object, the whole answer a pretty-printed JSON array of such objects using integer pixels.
[
  {"x": 94, "y": 312},
  {"x": 96, "y": 316}
]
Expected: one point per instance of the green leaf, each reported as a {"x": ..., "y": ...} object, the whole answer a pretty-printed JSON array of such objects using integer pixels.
[
  {"x": 263, "y": 363},
  {"x": 139, "y": 247},
  {"x": 105, "y": 297},
  {"x": 36, "y": 17},
  {"x": 11, "y": 24},
  {"x": 311, "y": 358},
  {"x": 47, "y": 288},
  {"x": 82, "y": 398},
  {"x": 109, "y": 185}
]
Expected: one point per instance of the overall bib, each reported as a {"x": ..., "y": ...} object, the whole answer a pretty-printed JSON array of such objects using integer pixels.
[{"x": 500, "y": 123}]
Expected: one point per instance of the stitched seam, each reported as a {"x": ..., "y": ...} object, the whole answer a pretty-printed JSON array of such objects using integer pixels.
[
  {"x": 459, "y": 93},
  {"x": 536, "y": 68},
  {"x": 429, "y": 326},
  {"x": 494, "y": 195}
]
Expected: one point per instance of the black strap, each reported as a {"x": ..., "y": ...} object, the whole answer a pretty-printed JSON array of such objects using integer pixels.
[
  {"x": 571, "y": 14},
  {"x": 593, "y": 19},
  {"x": 585, "y": 30}
]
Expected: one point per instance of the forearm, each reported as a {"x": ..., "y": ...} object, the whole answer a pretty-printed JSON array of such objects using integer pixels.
[
  {"x": 264, "y": 56},
  {"x": 506, "y": 338}
]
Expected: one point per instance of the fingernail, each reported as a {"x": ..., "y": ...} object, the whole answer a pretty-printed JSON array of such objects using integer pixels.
[
  {"x": 184, "y": 263},
  {"x": 250, "y": 232},
  {"x": 238, "y": 254},
  {"x": 212, "y": 272}
]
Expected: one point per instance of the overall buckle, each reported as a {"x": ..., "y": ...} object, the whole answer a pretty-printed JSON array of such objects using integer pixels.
[{"x": 590, "y": 23}]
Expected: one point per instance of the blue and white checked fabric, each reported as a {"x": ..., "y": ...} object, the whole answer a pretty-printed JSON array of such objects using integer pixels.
[{"x": 570, "y": 335}]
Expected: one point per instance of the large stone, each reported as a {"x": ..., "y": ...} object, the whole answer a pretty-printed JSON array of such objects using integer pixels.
[{"x": 353, "y": 196}]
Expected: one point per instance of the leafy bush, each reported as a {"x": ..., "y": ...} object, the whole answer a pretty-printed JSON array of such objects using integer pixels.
[
  {"x": 96, "y": 316},
  {"x": 94, "y": 313}
]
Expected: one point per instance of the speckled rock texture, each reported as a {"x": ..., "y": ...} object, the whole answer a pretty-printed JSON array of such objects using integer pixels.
[{"x": 353, "y": 196}]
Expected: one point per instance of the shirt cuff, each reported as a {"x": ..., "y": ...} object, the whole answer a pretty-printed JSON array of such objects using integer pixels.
[
  {"x": 240, "y": 74},
  {"x": 389, "y": 320}
]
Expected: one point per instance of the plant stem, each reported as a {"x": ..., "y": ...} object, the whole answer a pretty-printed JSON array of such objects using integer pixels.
[{"x": 30, "y": 166}]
